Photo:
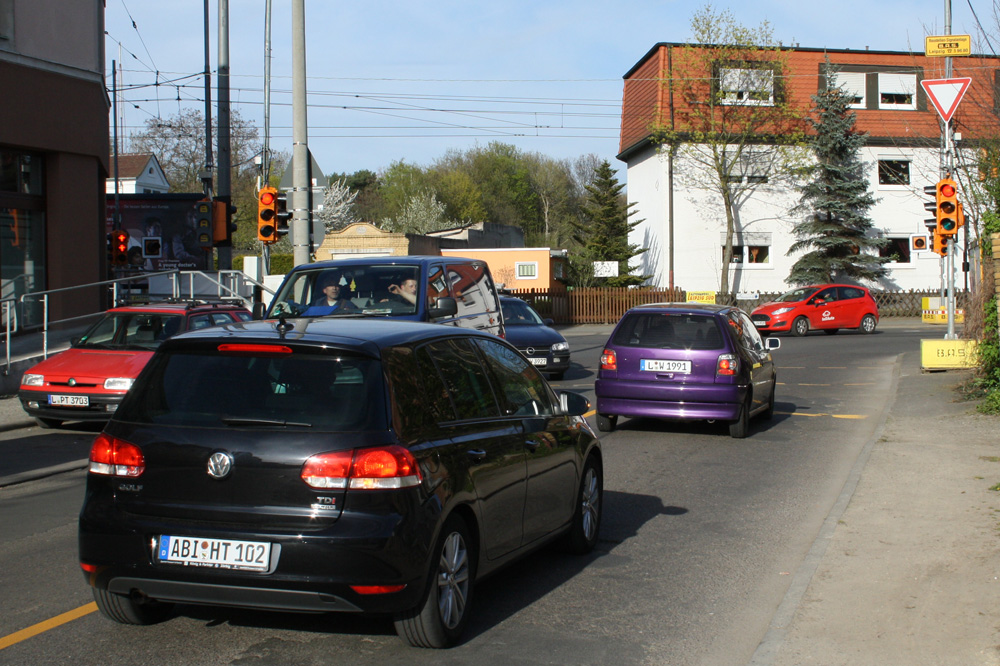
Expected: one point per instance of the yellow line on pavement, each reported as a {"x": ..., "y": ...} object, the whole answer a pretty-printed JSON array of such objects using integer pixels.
[
  {"x": 836, "y": 416},
  {"x": 833, "y": 367},
  {"x": 861, "y": 384},
  {"x": 52, "y": 623},
  {"x": 801, "y": 384}
]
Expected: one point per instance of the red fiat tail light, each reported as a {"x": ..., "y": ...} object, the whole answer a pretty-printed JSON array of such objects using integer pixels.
[
  {"x": 110, "y": 456},
  {"x": 609, "y": 360}
]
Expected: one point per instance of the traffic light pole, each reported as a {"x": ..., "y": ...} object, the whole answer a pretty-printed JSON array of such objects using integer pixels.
[
  {"x": 301, "y": 190},
  {"x": 947, "y": 166}
]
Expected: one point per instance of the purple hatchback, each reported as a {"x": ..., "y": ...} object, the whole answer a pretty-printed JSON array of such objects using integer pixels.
[{"x": 687, "y": 362}]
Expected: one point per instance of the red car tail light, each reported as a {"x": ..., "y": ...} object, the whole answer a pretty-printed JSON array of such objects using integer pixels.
[
  {"x": 379, "y": 468},
  {"x": 609, "y": 360},
  {"x": 728, "y": 365},
  {"x": 110, "y": 456}
]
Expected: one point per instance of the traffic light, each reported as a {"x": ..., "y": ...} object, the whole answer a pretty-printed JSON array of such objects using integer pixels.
[
  {"x": 940, "y": 244},
  {"x": 222, "y": 224},
  {"x": 918, "y": 243},
  {"x": 152, "y": 247},
  {"x": 119, "y": 248},
  {"x": 281, "y": 214},
  {"x": 203, "y": 223},
  {"x": 947, "y": 207},
  {"x": 267, "y": 209}
]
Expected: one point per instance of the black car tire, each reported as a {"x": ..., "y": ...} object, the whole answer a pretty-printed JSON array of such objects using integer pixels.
[
  {"x": 47, "y": 423},
  {"x": 126, "y": 609},
  {"x": 739, "y": 428},
  {"x": 867, "y": 324},
  {"x": 439, "y": 621},
  {"x": 586, "y": 526},
  {"x": 830, "y": 331},
  {"x": 800, "y": 326},
  {"x": 606, "y": 422}
]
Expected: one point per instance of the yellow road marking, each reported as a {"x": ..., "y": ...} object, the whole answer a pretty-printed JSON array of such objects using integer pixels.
[
  {"x": 52, "y": 623},
  {"x": 833, "y": 367},
  {"x": 835, "y": 416},
  {"x": 861, "y": 384},
  {"x": 801, "y": 384}
]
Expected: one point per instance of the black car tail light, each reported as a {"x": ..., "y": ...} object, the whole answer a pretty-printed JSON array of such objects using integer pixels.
[
  {"x": 110, "y": 456},
  {"x": 379, "y": 468}
]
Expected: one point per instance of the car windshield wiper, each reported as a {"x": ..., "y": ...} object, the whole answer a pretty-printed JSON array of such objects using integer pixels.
[{"x": 240, "y": 421}]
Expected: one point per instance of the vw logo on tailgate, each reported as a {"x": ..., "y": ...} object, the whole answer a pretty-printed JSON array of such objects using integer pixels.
[{"x": 220, "y": 464}]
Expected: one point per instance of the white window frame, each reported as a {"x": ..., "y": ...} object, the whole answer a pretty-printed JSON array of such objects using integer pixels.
[
  {"x": 893, "y": 186},
  {"x": 737, "y": 85},
  {"x": 531, "y": 272},
  {"x": 897, "y": 83},
  {"x": 853, "y": 83},
  {"x": 742, "y": 243}
]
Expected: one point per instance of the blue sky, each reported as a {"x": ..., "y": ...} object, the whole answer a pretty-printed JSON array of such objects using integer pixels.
[{"x": 410, "y": 81}]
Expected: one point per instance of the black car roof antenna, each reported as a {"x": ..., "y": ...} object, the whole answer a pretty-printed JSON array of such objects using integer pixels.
[{"x": 283, "y": 326}]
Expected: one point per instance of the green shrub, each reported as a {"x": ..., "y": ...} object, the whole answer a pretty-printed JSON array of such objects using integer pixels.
[{"x": 990, "y": 404}]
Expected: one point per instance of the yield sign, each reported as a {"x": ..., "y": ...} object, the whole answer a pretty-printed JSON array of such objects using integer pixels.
[{"x": 945, "y": 94}]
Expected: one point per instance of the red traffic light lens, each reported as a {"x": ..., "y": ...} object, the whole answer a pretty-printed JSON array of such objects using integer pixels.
[
  {"x": 948, "y": 190},
  {"x": 267, "y": 198}
]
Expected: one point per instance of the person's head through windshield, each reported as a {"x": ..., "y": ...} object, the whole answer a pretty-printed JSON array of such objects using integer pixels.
[
  {"x": 333, "y": 291},
  {"x": 405, "y": 290}
]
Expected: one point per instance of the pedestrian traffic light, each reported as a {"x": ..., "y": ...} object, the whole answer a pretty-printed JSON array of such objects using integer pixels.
[
  {"x": 119, "y": 248},
  {"x": 267, "y": 206},
  {"x": 203, "y": 224},
  {"x": 947, "y": 207},
  {"x": 918, "y": 243}
]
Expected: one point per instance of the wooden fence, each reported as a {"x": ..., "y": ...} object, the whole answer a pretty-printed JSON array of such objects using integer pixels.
[{"x": 596, "y": 305}]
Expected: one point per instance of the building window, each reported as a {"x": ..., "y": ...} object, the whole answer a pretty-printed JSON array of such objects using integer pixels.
[
  {"x": 893, "y": 172},
  {"x": 751, "y": 250},
  {"x": 897, "y": 91},
  {"x": 752, "y": 167},
  {"x": 852, "y": 83},
  {"x": 746, "y": 86},
  {"x": 526, "y": 270},
  {"x": 897, "y": 250}
]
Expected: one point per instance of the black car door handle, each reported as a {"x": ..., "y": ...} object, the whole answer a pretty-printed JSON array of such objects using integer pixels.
[{"x": 477, "y": 454}]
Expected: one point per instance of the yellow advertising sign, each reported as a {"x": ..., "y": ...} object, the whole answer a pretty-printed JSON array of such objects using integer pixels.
[
  {"x": 947, "y": 354},
  {"x": 948, "y": 45},
  {"x": 701, "y": 297}
]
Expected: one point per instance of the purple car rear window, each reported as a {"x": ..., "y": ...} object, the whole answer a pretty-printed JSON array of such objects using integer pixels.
[{"x": 669, "y": 331}]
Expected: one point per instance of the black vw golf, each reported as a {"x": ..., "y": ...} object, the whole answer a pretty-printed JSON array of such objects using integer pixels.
[{"x": 331, "y": 465}]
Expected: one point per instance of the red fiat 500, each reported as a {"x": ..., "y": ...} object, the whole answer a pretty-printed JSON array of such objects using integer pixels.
[{"x": 825, "y": 307}]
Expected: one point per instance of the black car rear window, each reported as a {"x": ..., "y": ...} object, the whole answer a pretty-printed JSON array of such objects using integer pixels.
[
  {"x": 321, "y": 391},
  {"x": 661, "y": 330}
]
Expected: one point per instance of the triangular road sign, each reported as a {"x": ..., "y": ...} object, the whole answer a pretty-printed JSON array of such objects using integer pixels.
[{"x": 945, "y": 94}]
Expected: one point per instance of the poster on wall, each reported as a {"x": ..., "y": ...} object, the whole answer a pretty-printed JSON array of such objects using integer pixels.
[{"x": 161, "y": 231}]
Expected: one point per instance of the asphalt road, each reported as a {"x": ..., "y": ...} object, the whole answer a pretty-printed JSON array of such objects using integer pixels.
[{"x": 700, "y": 537}]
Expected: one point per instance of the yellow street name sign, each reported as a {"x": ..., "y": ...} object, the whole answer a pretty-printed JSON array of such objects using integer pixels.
[{"x": 948, "y": 45}]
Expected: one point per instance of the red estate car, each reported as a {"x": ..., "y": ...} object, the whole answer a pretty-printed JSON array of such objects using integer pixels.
[
  {"x": 87, "y": 381},
  {"x": 826, "y": 307}
]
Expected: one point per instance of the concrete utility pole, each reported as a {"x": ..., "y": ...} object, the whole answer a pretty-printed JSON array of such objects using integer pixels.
[
  {"x": 949, "y": 159},
  {"x": 224, "y": 188},
  {"x": 301, "y": 193},
  {"x": 206, "y": 174}
]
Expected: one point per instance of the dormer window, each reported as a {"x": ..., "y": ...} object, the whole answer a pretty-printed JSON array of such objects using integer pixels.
[
  {"x": 897, "y": 91},
  {"x": 748, "y": 86}
]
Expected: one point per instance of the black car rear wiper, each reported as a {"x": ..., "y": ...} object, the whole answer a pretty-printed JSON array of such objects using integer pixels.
[{"x": 241, "y": 421}]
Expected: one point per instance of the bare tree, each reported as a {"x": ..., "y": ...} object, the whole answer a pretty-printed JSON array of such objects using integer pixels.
[{"x": 733, "y": 123}]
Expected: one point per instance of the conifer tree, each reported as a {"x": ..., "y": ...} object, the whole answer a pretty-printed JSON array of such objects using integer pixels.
[
  {"x": 604, "y": 231},
  {"x": 835, "y": 201}
]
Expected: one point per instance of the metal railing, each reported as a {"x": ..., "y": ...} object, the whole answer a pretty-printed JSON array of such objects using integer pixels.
[{"x": 225, "y": 285}]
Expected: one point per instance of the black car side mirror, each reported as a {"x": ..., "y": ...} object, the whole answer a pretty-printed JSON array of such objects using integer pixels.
[{"x": 573, "y": 404}]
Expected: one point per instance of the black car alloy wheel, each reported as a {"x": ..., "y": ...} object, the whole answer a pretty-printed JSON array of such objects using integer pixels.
[{"x": 439, "y": 621}]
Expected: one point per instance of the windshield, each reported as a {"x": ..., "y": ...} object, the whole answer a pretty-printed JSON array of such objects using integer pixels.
[
  {"x": 130, "y": 330},
  {"x": 518, "y": 313},
  {"x": 356, "y": 289},
  {"x": 795, "y": 295}
]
